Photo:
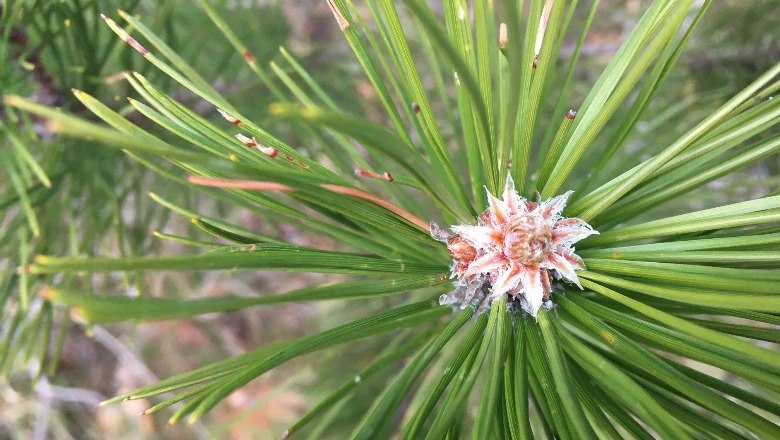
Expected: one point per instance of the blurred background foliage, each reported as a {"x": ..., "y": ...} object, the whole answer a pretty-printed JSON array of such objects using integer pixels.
[{"x": 65, "y": 197}]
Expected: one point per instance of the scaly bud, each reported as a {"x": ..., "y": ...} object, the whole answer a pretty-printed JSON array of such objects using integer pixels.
[{"x": 513, "y": 251}]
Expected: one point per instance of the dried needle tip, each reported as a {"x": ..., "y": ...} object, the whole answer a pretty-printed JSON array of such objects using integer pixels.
[
  {"x": 284, "y": 435},
  {"x": 268, "y": 151},
  {"x": 248, "y": 56},
  {"x": 362, "y": 172},
  {"x": 124, "y": 35},
  {"x": 502, "y": 36},
  {"x": 571, "y": 114},
  {"x": 232, "y": 119},
  {"x": 343, "y": 23},
  {"x": 249, "y": 142},
  {"x": 119, "y": 76},
  {"x": 540, "y": 31},
  {"x": 293, "y": 160}
]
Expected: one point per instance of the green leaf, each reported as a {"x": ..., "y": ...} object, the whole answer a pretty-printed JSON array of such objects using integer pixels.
[
  {"x": 753, "y": 212},
  {"x": 253, "y": 256},
  {"x": 71, "y": 126},
  {"x": 491, "y": 395},
  {"x": 170, "y": 54},
  {"x": 373, "y": 136},
  {"x": 761, "y": 357},
  {"x": 677, "y": 342},
  {"x": 380, "y": 413},
  {"x": 629, "y": 351},
  {"x": 457, "y": 398},
  {"x": 102, "y": 309},
  {"x": 468, "y": 346},
  {"x": 378, "y": 364},
  {"x": 670, "y": 152},
  {"x": 741, "y": 280},
  {"x": 439, "y": 38},
  {"x": 655, "y": 26},
  {"x": 559, "y": 370},
  {"x": 627, "y": 391}
]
